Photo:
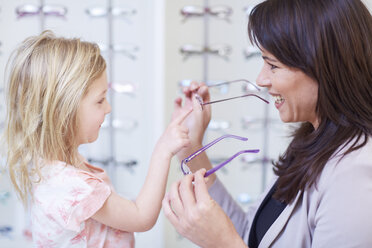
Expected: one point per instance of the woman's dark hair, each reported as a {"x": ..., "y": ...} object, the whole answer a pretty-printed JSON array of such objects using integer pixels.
[{"x": 331, "y": 42}]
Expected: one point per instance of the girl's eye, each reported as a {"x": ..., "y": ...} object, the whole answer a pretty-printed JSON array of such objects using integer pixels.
[{"x": 101, "y": 101}]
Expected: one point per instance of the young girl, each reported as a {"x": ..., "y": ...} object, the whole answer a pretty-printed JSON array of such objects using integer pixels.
[{"x": 57, "y": 101}]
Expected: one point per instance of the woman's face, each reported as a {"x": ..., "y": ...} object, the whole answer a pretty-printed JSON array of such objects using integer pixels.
[{"x": 294, "y": 92}]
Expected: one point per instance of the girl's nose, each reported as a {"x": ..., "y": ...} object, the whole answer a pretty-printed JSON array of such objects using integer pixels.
[{"x": 108, "y": 108}]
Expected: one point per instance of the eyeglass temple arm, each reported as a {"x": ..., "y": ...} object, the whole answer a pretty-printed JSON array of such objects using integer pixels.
[
  {"x": 216, "y": 168},
  {"x": 235, "y": 81},
  {"x": 192, "y": 156},
  {"x": 226, "y": 99}
]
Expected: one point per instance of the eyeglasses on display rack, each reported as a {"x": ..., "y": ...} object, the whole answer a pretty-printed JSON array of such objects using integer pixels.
[
  {"x": 186, "y": 170},
  {"x": 254, "y": 123},
  {"x": 219, "y": 11},
  {"x": 123, "y": 88},
  {"x": 218, "y": 125},
  {"x": 116, "y": 12},
  {"x": 46, "y": 10},
  {"x": 251, "y": 51},
  {"x": 126, "y": 49},
  {"x": 128, "y": 163},
  {"x": 123, "y": 125},
  {"x": 6, "y": 232},
  {"x": 222, "y": 51},
  {"x": 249, "y": 159}
]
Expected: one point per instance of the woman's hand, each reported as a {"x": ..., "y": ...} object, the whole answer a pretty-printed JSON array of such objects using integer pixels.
[{"x": 196, "y": 216}]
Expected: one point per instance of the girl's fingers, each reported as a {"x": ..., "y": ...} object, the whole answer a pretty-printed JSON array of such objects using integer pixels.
[{"x": 182, "y": 116}]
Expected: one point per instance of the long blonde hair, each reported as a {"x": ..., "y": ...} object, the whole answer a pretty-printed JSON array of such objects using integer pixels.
[{"x": 48, "y": 77}]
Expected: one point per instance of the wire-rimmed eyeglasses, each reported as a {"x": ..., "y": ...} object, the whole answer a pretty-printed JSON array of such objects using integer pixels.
[
  {"x": 126, "y": 49},
  {"x": 218, "y": 11},
  {"x": 116, "y": 12},
  {"x": 223, "y": 86},
  {"x": 202, "y": 103},
  {"x": 220, "y": 50},
  {"x": 186, "y": 170},
  {"x": 47, "y": 10}
]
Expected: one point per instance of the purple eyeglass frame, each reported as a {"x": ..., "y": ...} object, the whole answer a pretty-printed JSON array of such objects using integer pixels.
[{"x": 186, "y": 170}]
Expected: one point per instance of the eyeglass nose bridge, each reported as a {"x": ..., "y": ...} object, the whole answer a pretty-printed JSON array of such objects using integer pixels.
[{"x": 186, "y": 170}]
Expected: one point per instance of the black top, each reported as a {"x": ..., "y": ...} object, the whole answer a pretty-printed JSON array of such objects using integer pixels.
[{"x": 267, "y": 213}]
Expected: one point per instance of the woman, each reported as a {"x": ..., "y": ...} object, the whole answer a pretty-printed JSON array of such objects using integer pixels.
[{"x": 317, "y": 66}]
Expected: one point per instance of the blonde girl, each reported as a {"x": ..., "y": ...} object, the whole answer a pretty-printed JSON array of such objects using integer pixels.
[{"x": 56, "y": 101}]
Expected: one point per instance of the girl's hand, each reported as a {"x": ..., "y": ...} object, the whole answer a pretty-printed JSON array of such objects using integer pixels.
[
  {"x": 196, "y": 216},
  {"x": 175, "y": 137},
  {"x": 198, "y": 121}
]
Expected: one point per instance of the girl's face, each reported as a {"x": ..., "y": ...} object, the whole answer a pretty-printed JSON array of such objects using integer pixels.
[
  {"x": 295, "y": 93},
  {"x": 92, "y": 110}
]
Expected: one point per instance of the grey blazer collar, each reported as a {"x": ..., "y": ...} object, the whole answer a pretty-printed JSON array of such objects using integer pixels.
[{"x": 279, "y": 224}]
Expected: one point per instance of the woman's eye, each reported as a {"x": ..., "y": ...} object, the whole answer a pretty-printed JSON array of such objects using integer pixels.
[
  {"x": 101, "y": 101},
  {"x": 272, "y": 67}
]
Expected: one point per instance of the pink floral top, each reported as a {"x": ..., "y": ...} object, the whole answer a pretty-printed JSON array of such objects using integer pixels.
[{"x": 63, "y": 204}]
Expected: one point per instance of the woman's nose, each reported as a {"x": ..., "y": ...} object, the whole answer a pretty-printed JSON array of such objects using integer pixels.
[{"x": 262, "y": 80}]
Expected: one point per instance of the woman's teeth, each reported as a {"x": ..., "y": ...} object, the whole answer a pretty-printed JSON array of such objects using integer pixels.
[{"x": 278, "y": 99}]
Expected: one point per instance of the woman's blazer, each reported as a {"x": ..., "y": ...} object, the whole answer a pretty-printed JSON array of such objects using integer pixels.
[{"x": 335, "y": 212}]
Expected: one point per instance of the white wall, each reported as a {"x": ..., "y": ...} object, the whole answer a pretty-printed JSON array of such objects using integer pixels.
[{"x": 158, "y": 30}]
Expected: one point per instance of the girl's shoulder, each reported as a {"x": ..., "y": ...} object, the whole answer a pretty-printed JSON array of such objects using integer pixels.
[
  {"x": 68, "y": 195},
  {"x": 58, "y": 170},
  {"x": 60, "y": 180}
]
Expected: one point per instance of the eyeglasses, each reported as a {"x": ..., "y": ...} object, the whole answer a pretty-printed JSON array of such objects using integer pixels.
[
  {"x": 6, "y": 231},
  {"x": 127, "y": 163},
  {"x": 218, "y": 125},
  {"x": 223, "y": 86},
  {"x": 254, "y": 123},
  {"x": 124, "y": 125},
  {"x": 202, "y": 103},
  {"x": 222, "y": 51},
  {"x": 251, "y": 51},
  {"x": 123, "y": 88},
  {"x": 126, "y": 49},
  {"x": 186, "y": 170},
  {"x": 47, "y": 10},
  {"x": 116, "y": 12},
  {"x": 220, "y": 11}
]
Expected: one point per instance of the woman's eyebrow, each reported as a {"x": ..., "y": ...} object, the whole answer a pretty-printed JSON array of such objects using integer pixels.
[{"x": 269, "y": 59}]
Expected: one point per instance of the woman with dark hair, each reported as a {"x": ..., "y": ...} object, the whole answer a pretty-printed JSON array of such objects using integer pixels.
[{"x": 317, "y": 66}]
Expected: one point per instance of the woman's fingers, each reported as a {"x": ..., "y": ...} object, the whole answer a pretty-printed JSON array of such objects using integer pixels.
[
  {"x": 175, "y": 200},
  {"x": 201, "y": 189},
  {"x": 186, "y": 191},
  {"x": 168, "y": 211}
]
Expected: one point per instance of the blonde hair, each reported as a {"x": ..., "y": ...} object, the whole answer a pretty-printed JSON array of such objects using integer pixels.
[{"x": 48, "y": 77}]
